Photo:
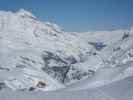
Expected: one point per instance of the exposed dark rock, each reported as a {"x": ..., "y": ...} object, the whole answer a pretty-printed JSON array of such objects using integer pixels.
[
  {"x": 2, "y": 85},
  {"x": 62, "y": 68},
  {"x": 125, "y": 35},
  {"x": 5, "y": 69},
  {"x": 25, "y": 58},
  {"x": 31, "y": 89},
  {"x": 49, "y": 55},
  {"x": 41, "y": 84},
  {"x": 116, "y": 49},
  {"x": 20, "y": 66},
  {"x": 78, "y": 74},
  {"x": 59, "y": 70},
  {"x": 71, "y": 60}
]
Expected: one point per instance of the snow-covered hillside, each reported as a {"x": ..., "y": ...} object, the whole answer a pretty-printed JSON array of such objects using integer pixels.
[{"x": 37, "y": 55}]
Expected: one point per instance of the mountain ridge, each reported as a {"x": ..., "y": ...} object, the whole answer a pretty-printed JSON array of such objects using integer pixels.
[{"x": 41, "y": 56}]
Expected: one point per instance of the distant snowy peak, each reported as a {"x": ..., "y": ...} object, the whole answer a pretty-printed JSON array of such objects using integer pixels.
[
  {"x": 23, "y": 12},
  {"x": 23, "y": 28},
  {"x": 23, "y": 20}
]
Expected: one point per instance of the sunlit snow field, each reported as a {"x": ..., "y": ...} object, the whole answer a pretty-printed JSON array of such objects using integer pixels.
[{"x": 39, "y": 60}]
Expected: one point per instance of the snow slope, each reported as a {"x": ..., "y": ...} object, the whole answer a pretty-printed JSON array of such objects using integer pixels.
[{"x": 37, "y": 55}]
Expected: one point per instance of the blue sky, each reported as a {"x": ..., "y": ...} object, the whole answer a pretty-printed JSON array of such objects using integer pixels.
[{"x": 78, "y": 15}]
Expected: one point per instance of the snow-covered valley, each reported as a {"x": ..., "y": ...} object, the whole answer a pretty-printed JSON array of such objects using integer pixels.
[{"x": 40, "y": 56}]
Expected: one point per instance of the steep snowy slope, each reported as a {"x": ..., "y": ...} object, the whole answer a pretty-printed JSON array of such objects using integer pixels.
[{"x": 37, "y": 55}]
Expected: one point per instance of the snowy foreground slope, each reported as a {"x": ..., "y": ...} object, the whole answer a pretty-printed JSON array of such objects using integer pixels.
[{"x": 40, "y": 56}]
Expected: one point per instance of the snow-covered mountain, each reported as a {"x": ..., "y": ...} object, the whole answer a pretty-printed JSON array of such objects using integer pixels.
[{"x": 37, "y": 55}]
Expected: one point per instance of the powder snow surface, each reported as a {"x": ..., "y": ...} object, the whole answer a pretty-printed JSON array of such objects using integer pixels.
[{"x": 40, "y": 56}]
